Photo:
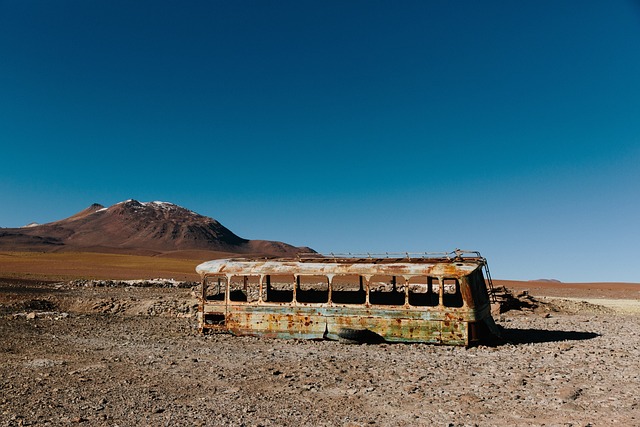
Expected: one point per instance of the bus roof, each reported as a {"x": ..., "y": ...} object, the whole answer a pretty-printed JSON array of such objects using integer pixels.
[{"x": 335, "y": 265}]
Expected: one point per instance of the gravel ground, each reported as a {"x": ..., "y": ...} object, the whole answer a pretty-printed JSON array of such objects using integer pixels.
[{"x": 125, "y": 356}]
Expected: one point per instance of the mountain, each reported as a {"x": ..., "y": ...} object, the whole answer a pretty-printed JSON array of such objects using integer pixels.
[{"x": 137, "y": 227}]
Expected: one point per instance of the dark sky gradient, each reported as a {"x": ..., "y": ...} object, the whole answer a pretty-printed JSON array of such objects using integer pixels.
[{"x": 508, "y": 127}]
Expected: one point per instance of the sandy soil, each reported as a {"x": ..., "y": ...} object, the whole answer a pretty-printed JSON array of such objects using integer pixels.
[
  {"x": 125, "y": 355},
  {"x": 630, "y": 306},
  {"x": 608, "y": 290},
  {"x": 80, "y": 265}
]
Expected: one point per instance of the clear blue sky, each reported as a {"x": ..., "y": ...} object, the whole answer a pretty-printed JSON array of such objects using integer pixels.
[{"x": 508, "y": 127}]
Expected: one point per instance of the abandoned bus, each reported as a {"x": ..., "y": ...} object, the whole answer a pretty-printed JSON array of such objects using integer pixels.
[{"x": 433, "y": 298}]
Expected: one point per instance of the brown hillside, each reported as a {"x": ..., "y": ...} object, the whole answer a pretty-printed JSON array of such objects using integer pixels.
[{"x": 132, "y": 227}]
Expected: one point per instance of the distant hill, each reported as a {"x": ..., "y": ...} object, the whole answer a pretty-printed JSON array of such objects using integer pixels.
[{"x": 136, "y": 227}]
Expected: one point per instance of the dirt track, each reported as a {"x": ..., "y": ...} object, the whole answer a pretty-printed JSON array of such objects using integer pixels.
[{"x": 132, "y": 356}]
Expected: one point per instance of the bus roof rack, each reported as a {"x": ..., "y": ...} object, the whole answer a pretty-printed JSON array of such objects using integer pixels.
[{"x": 409, "y": 256}]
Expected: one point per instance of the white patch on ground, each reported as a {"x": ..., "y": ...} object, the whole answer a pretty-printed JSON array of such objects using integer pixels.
[{"x": 626, "y": 306}]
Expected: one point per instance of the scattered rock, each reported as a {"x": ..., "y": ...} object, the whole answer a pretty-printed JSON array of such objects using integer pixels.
[{"x": 123, "y": 356}]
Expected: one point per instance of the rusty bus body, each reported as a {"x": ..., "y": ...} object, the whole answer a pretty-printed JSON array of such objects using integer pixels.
[{"x": 432, "y": 299}]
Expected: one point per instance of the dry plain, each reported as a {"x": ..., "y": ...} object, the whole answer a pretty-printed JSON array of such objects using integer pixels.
[{"x": 79, "y": 352}]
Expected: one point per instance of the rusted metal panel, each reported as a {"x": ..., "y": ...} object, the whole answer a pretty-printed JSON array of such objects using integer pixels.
[
  {"x": 392, "y": 325},
  {"x": 385, "y": 328},
  {"x": 467, "y": 293},
  {"x": 265, "y": 321},
  {"x": 405, "y": 269}
]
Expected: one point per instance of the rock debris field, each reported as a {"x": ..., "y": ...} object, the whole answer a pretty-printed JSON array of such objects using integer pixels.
[{"x": 127, "y": 355}]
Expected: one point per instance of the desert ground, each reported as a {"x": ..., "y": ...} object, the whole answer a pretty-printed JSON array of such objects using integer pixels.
[{"x": 108, "y": 353}]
